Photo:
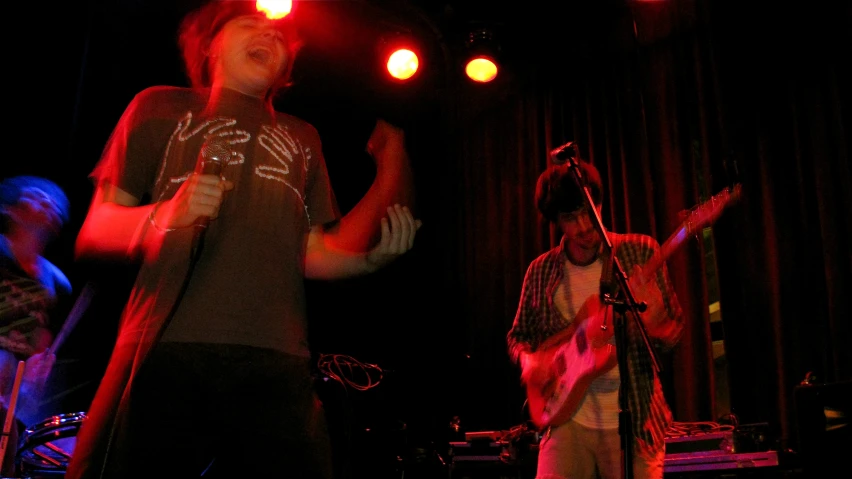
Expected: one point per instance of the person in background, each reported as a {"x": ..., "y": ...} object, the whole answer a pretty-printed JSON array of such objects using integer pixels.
[
  {"x": 210, "y": 374},
  {"x": 33, "y": 211},
  {"x": 562, "y": 290}
]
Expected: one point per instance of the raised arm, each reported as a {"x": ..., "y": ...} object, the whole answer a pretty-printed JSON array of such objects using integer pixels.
[
  {"x": 360, "y": 229},
  {"x": 323, "y": 260}
]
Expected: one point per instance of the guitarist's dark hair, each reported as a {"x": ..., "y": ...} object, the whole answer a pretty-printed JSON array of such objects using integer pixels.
[{"x": 557, "y": 192}]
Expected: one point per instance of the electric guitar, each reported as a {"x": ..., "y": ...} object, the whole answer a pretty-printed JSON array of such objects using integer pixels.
[{"x": 558, "y": 373}]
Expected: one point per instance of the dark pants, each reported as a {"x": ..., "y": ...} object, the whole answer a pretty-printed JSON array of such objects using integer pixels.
[{"x": 225, "y": 411}]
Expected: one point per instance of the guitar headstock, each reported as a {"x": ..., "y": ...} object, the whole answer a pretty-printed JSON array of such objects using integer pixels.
[{"x": 708, "y": 212}]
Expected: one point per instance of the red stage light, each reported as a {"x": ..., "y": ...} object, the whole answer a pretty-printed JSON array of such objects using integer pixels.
[
  {"x": 403, "y": 63},
  {"x": 274, "y": 9}
]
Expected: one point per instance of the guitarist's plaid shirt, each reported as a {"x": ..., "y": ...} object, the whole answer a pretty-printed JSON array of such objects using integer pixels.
[{"x": 538, "y": 318}]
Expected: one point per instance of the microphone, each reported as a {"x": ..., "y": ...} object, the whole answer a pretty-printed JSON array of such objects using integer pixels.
[
  {"x": 564, "y": 153},
  {"x": 211, "y": 160}
]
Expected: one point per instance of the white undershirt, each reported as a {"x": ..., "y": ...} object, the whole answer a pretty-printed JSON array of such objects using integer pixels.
[{"x": 599, "y": 408}]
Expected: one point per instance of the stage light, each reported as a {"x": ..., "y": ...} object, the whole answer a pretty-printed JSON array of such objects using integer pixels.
[
  {"x": 482, "y": 52},
  {"x": 402, "y": 64},
  {"x": 481, "y": 69},
  {"x": 274, "y": 9},
  {"x": 400, "y": 56}
]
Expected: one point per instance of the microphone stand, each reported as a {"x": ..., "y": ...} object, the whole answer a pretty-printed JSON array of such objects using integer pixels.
[{"x": 625, "y": 420}]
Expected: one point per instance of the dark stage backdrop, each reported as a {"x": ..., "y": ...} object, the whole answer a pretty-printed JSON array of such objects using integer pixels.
[{"x": 672, "y": 100}]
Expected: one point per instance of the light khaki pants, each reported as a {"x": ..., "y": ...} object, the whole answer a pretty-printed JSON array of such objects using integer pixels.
[{"x": 572, "y": 451}]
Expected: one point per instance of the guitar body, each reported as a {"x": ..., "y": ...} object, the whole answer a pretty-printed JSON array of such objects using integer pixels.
[{"x": 559, "y": 372}]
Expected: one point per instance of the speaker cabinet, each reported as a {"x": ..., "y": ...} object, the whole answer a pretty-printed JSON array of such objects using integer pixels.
[{"x": 824, "y": 430}]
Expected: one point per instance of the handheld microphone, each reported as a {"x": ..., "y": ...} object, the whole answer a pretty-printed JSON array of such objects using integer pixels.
[{"x": 211, "y": 160}]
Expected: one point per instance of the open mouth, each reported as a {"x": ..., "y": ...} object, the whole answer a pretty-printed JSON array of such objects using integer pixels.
[{"x": 260, "y": 55}]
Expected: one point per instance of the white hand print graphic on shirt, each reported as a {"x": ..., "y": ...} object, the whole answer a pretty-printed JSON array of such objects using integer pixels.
[
  {"x": 282, "y": 147},
  {"x": 286, "y": 150},
  {"x": 221, "y": 127}
]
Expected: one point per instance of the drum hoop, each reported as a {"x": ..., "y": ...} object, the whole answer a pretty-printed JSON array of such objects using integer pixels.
[
  {"x": 51, "y": 429},
  {"x": 54, "y": 422}
]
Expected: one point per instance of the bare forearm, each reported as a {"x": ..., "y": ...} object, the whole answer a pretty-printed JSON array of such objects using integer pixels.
[
  {"x": 359, "y": 229},
  {"x": 324, "y": 260},
  {"x": 330, "y": 264},
  {"x": 113, "y": 232}
]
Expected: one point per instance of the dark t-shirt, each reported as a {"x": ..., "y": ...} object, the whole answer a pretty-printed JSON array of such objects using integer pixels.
[{"x": 247, "y": 286}]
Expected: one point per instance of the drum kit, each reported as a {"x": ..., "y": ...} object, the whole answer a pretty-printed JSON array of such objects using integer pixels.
[
  {"x": 44, "y": 449},
  {"x": 40, "y": 451}
]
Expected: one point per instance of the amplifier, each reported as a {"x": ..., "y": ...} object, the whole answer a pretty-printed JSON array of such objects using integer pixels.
[
  {"x": 713, "y": 442},
  {"x": 717, "y": 461},
  {"x": 484, "y": 458},
  {"x": 478, "y": 451},
  {"x": 824, "y": 422},
  {"x": 694, "y": 437}
]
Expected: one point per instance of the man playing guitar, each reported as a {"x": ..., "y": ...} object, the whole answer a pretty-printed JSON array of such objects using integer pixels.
[{"x": 561, "y": 301}]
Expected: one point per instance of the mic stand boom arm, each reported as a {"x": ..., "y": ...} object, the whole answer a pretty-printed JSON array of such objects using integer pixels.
[{"x": 625, "y": 424}]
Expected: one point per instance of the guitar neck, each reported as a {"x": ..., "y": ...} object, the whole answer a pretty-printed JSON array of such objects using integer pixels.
[
  {"x": 704, "y": 215},
  {"x": 666, "y": 250}
]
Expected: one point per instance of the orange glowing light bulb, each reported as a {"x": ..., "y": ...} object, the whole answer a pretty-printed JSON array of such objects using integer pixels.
[
  {"x": 274, "y": 9},
  {"x": 402, "y": 64},
  {"x": 481, "y": 70}
]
